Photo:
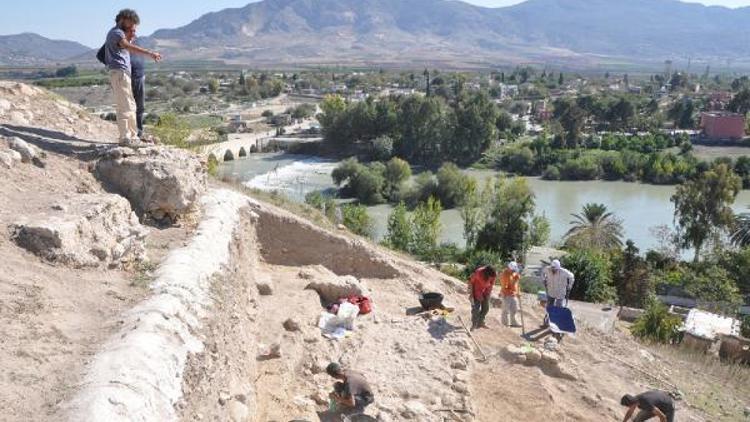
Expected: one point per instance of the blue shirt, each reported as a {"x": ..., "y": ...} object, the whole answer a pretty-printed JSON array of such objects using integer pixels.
[
  {"x": 116, "y": 58},
  {"x": 137, "y": 65}
]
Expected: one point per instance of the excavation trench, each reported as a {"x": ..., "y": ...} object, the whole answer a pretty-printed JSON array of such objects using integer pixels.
[{"x": 413, "y": 364}]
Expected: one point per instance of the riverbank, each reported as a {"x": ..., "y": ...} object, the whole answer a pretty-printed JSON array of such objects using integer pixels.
[{"x": 642, "y": 207}]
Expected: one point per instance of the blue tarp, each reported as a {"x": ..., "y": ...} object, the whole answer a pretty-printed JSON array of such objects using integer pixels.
[{"x": 561, "y": 320}]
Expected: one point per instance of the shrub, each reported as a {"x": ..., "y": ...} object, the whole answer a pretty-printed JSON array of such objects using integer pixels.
[
  {"x": 518, "y": 160},
  {"x": 657, "y": 324},
  {"x": 745, "y": 328},
  {"x": 357, "y": 220},
  {"x": 426, "y": 225},
  {"x": 582, "y": 168},
  {"x": 593, "y": 276},
  {"x": 397, "y": 171},
  {"x": 453, "y": 186},
  {"x": 382, "y": 148},
  {"x": 551, "y": 173},
  {"x": 480, "y": 258},
  {"x": 539, "y": 231},
  {"x": 399, "y": 235},
  {"x": 267, "y": 113},
  {"x": 212, "y": 165},
  {"x": 172, "y": 130},
  {"x": 315, "y": 199}
]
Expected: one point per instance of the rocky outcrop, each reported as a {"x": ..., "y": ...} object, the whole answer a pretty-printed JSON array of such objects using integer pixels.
[
  {"x": 331, "y": 287},
  {"x": 160, "y": 183},
  {"x": 87, "y": 230}
]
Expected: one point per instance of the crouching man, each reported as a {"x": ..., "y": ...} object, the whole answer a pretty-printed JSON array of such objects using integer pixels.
[
  {"x": 653, "y": 404},
  {"x": 352, "y": 394}
]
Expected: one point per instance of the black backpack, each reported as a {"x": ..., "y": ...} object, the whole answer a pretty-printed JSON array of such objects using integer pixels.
[{"x": 101, "y": 56}]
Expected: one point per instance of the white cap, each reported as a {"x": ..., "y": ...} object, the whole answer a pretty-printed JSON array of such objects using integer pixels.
[
  {"x": 513, "y": 266},
  {"x": 556, "y": 264}
]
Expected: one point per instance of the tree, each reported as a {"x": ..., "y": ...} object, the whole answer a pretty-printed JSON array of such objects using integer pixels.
[
  {"x": 213, "y": 86},
  {"x": 702, "y": 206},
  {"x": 357, "y": 220},
  {"x": 572, "y": 118},
  {"x": 382, "y": 148},
  {"x": 399, "y": 235},
  {"x": 427, "y": 227},
  {"x": 593, "y": 273},
  {"x": 561, "y": 79},
  {"x": 741, "y": 234},
  {"x": 475, "y": 129},
  {"x": 506, "y": 228},
  {"x": 397, "y": 171},
  {"x": 67, "y": 72},
  {"x": 682, "y": 113},
  {"x": 594, "y": 228},
  {"x": 741, "y": 102},
  {"x": 657, "y": 324},
  {"x": 453, "y": 185},
  {"x": 634, "y": 287},
  {"x": 539, "y": 231}
]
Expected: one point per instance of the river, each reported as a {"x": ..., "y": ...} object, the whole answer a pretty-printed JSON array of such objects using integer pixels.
[{"x": 640, "y": 206}]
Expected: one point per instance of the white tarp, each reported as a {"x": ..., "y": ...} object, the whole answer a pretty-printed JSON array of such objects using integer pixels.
[{"x": 709, "y": 326}]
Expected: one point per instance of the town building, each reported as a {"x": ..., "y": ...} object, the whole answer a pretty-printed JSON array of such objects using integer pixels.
[{"x": 722, "y": 125}]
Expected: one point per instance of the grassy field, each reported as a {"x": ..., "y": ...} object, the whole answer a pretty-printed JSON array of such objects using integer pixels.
[{"x": 710, "y": 153}]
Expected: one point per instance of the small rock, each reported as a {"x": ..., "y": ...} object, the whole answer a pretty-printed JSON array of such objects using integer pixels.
[
  {"x": 264, "y": 284},
  {"x": 27, "y": 151},
  {"x": 647, "y": 356},
  {"x": 414, "y": 410},
  {"x": 341, "y": 227},
  {"x": 6, "y": 160},
  {"x": 533, "y": 356},
  {"x": 238, "y": 411},
  {"x": 550, "y": 343},
  {"x": 291, "y": 325},
  {"x": 224, "y": 397},
  {"x": 459, "y": 364},
  {"x": 460, "y": 388}
]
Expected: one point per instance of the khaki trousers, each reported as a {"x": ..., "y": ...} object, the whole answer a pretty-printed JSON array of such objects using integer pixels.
[
  {"x": 125, "y": 103},
  {"x": 510, "y": 307}
]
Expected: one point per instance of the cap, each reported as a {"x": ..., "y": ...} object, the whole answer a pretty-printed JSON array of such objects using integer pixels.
[
  {"x": 513, "y": 266},
  {"x": 556, "y": 264}
]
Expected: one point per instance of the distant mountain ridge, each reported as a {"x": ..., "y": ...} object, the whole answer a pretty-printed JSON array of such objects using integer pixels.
[
  {"x": 399, "y": 31},
  {"x": 31, "y": 49}
]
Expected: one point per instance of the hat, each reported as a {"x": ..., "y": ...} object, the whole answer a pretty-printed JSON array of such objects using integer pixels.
[
  {"x": 513, "y": 266},
  {"x": 556, "y": 264}
]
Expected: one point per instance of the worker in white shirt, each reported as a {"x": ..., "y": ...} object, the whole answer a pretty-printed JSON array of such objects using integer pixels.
[{"x": 558, "y": 283}]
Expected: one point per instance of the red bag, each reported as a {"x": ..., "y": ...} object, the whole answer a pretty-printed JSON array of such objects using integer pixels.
[{"x": 365, "y": 306}]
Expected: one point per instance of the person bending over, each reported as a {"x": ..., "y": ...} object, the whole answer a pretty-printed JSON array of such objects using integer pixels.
[
  {"x": 352, "y": 392},
  {"x": 652, "y": 404}
]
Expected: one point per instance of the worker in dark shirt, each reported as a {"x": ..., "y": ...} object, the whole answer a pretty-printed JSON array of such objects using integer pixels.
[
  {"x": 353, "y": 393},
  {"x": 652, "y": 404},
  {"x": 138, "y": 82}
]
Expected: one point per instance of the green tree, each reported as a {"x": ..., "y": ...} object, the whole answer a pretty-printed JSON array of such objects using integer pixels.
[
  {"x": 172, "y": 130},
  {"x": 741, "y": 234},
  {"x": 594, "y": 228},
  {"x": 453, "y": 185},
  {"x": 213, "y": 86},
  {"x": 397, "y": 172},
  {"x": 740, "y": 102},
  {"x": 702, "y": 206},
  {"x": 357, "y": 220},
  {"x": 506, "y": 228},
  {"x": 631, "y": 277},
  {"x": 427, "y": 227},
  {"x": 657, "y": 324},
  {"x": 572, "y": 118},
  {"x": 593, "y": 272},
  {"x": 399, "y": 235},
  {"x": 539, "y": 231},
  {"x": 382, "y": 148},
  {"x": 475, "y": 129}
]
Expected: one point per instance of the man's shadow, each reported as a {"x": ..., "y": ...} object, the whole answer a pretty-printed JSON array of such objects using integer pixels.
[
  {"x": 537, "y": 334},
  {"x": 54, "y": 141}
]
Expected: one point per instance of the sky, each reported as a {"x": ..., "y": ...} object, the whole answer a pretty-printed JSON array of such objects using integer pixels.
[{"x": 87, "y": 21}]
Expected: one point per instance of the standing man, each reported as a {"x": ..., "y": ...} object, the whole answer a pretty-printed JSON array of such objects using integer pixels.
[
  {"x": 480, "y": 289},
  {"x": 510, "y": 291},
  {"x": 353, "y": 392},
  {"x": 653, "y": 404},
  {"x": 138, "y": 82},
  {"x": 117, "y": 51},
  {"x": 557, "y": 282}
]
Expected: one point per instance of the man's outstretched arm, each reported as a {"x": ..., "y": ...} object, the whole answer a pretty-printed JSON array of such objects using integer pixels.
[
  {"x": 658, "y": 413},
  {"x": 124, "y": 43},
  {"x": 629, "y": 414}
]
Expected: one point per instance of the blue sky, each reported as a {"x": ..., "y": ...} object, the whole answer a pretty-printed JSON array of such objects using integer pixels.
[{"x": 87, "y": 21}]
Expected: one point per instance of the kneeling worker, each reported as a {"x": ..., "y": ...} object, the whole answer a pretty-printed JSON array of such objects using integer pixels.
[
  {"x": 353, "y": 393},
  {"x": 653, "y": 404}
]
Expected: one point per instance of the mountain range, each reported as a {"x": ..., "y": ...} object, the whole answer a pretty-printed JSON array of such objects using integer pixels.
[
  {"x": 574, "y": 33},
  {"x": 31, "y": 49}
]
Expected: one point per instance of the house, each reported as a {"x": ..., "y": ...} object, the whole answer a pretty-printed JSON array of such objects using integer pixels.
[
  {"x": 721, "y": 125},
  {"x": 703, "y": 330}
]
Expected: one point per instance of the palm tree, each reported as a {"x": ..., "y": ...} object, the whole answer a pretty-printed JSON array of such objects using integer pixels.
[
  {"x": 594, "y": 228},
  {"x": 741, "y": 234}
]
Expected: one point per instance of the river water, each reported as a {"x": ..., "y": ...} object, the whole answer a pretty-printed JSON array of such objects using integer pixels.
[{"x": 640, "y": 206}]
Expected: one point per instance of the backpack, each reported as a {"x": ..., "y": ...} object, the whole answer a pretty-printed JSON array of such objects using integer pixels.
[
  {"x": 100, "y": 55},
  {"x": 365, "y": 306}
]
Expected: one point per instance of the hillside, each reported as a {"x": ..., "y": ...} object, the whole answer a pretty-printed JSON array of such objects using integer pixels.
[
  {"x": 215, "y": 318},
  {"x": 575, "y": 32},
  {"x": 31, "y": 49}
]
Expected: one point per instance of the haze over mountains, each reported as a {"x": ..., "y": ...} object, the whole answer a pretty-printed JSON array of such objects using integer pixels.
[
  {"x": 577, "y": 33},
  {"x": 32, "y": 49}
]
